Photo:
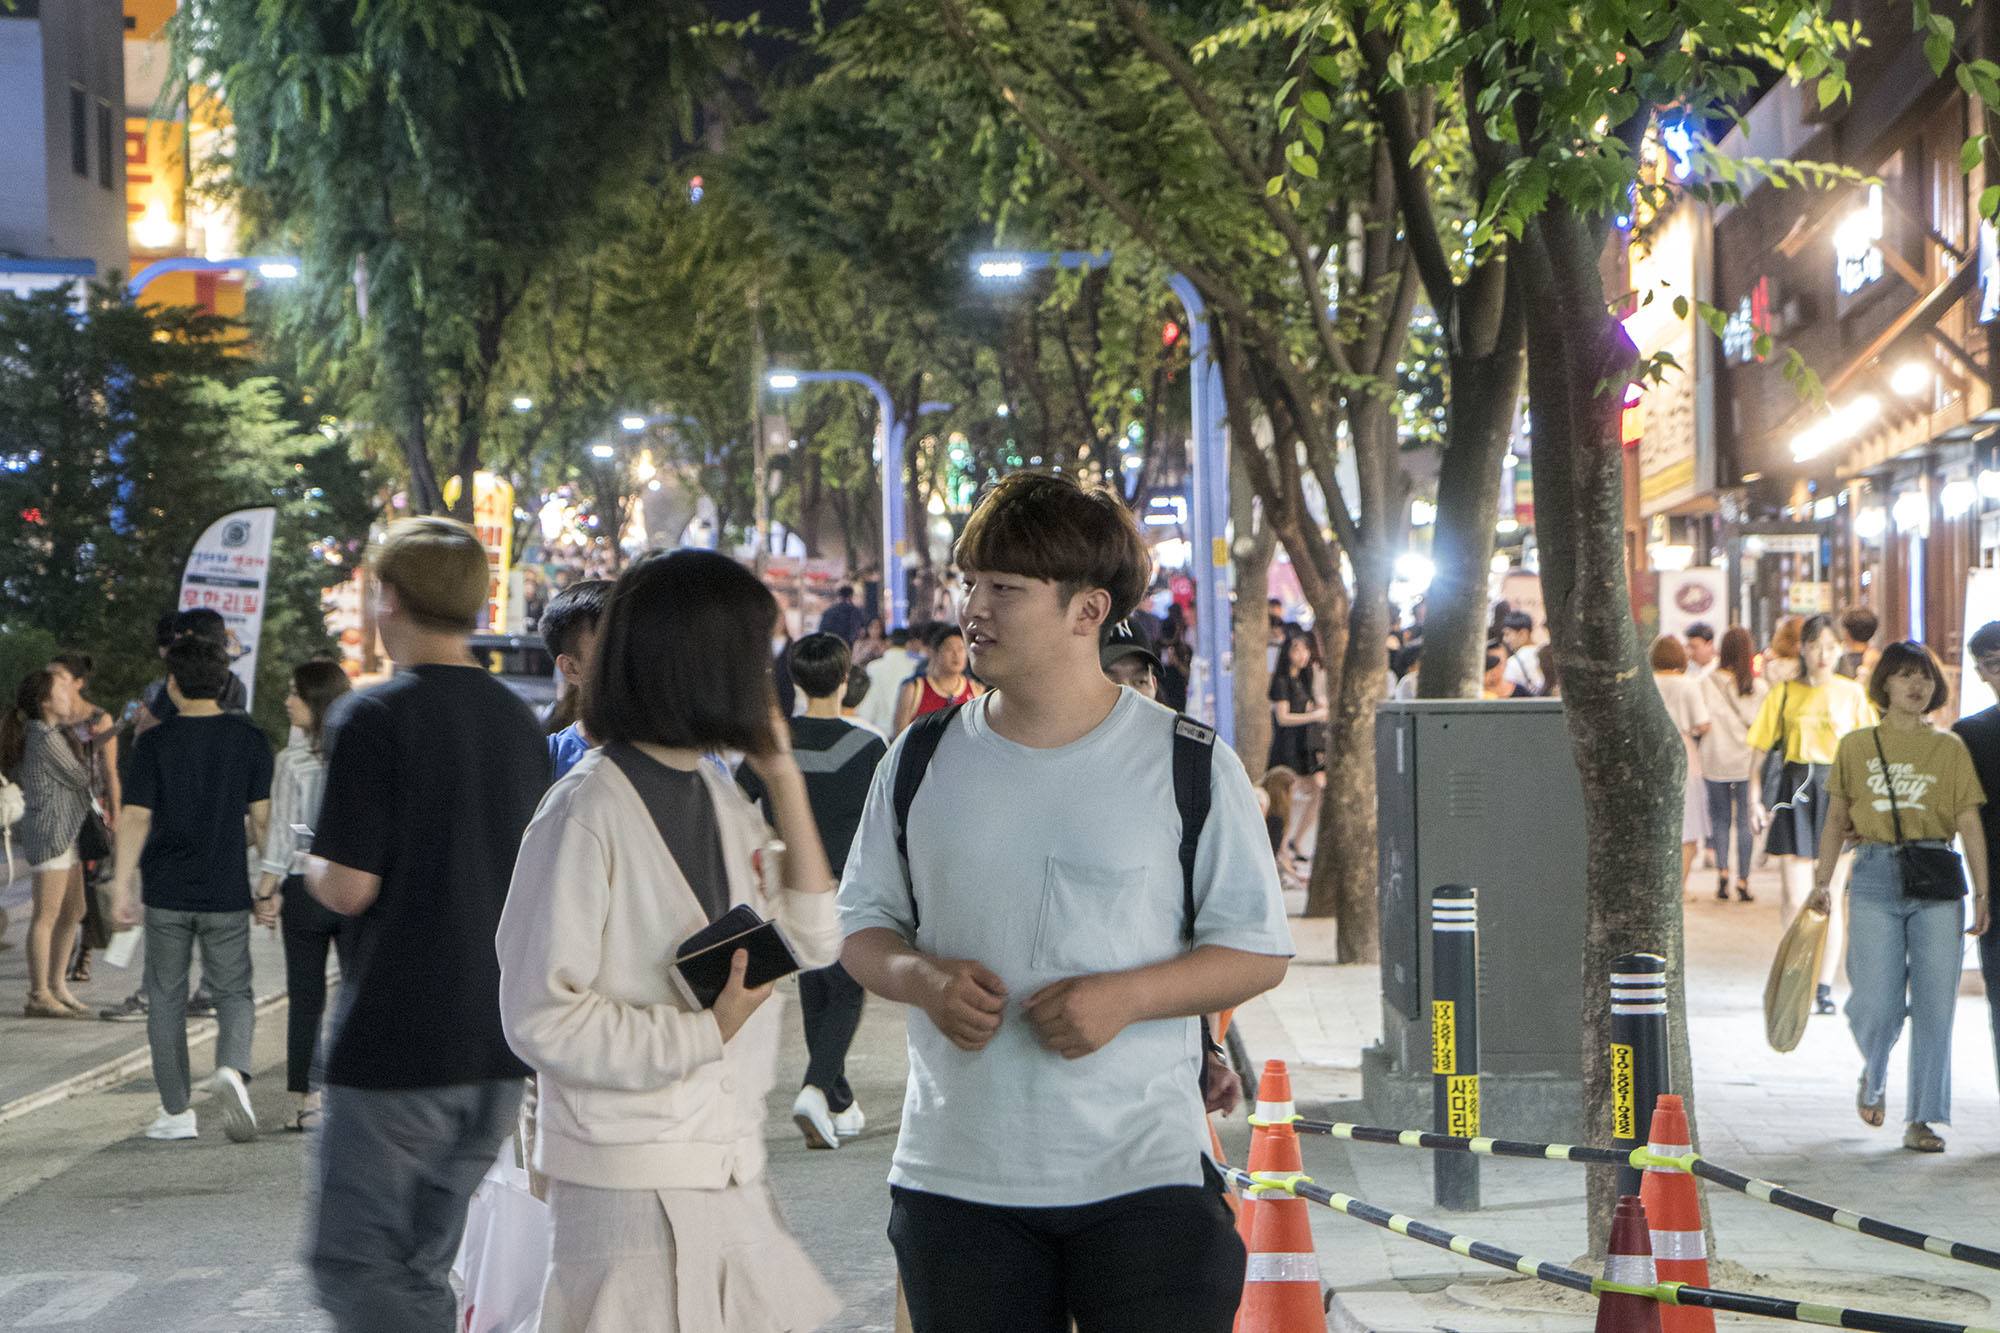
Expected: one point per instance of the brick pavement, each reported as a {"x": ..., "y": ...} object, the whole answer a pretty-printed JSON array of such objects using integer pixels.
[{"x": 1788, "y": 1118}]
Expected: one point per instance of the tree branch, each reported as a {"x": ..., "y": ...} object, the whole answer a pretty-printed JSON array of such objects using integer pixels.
[{"x": 1393, "y": 114}]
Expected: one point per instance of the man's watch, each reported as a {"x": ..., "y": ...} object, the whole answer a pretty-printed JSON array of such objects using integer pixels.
[{"x": 1219, "y": 1051}]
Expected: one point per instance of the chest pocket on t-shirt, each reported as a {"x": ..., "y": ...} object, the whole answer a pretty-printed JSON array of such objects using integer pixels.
[{"x": 1092, "y": 918}]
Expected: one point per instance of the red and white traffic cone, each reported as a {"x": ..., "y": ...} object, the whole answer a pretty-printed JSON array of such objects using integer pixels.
[
  {"x": 1673, "y": 1216},
  {"x": 1274, "y": 1144},
  {"x": 1281, "y": 1292},
  {"x": 1630, "y": 1264}
]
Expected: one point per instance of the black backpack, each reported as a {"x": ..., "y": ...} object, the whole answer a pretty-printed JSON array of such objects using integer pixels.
[{"x": 1194, "y": 746}]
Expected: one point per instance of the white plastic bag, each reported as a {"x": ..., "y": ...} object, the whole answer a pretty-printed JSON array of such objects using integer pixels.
[{"x": 505, "y": 1254}]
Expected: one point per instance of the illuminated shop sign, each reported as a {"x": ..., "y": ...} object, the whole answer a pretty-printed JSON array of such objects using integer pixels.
[{"x": 1857, "y": 245}]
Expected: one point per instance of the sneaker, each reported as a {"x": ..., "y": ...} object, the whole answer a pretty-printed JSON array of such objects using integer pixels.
[
  {"x": 170, "y": 1127},
  {"x": 850, "y": 1122},
  {"x": 200, "y": 1004},
  {"x": 815, "y": 1121},
  {"x": 132, "y": 1009},
  {"x": 239, "y": 1122}
]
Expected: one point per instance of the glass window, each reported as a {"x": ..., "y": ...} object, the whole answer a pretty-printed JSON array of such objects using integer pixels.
[
  {"x": 106, "y": 172},
  {"x": 79, "y": 133}
]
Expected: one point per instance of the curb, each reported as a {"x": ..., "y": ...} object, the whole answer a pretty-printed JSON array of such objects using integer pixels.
[{"x": 118, "y": 1069}]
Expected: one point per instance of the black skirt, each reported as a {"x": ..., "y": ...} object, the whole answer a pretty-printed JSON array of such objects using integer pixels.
[{"x": 1798, "y": 812}]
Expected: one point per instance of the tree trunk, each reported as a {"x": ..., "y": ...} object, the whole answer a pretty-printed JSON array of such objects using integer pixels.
[
  {"x": 1344, "y": 875},
  {"x": 1484, "y": 391},
  {"x": 1326, "y": 889},
  {"x": 1628, "y": 755},
  {"x": 1249, "y": 621}
]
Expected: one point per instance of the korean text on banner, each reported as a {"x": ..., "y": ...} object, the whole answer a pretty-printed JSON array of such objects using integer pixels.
[{"x": 228, "y": 573}]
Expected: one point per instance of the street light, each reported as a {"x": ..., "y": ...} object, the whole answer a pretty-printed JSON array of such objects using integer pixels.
[
  {"x": 889, "y": 438},
  {"x": 277, "y": 268},
  {"x": 634, "y": 423},
  {"x": 603, "y": 451},
  {"x": 1209, "y": 455}
]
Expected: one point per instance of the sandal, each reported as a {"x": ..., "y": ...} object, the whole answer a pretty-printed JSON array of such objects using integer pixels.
[
  {"x": 305, "y": 1122},
  {"x": 1919, "y": 1137},
  {"x": 79, "y": 971},
  {"x": 45, "y": 1008},
  {"x": 71, "y": 1003},
  {"x": 1872, "y": 1112},
  {"x": 1743, "y": 894}
]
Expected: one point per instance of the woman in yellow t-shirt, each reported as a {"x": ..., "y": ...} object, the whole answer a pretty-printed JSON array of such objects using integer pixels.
[
  {"x": 1808, "y": 714},
  {"x": 1903, "y": 782}
]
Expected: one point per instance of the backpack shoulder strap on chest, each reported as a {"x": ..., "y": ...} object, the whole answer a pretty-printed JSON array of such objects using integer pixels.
[
  {"x": 1194, "y": 751},
  {"x": 919, "y": 746}
]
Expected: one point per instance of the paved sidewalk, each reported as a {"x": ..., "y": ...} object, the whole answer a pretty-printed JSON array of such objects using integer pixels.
[
  {"x": 1788, "y": 1118},
  {"x": 42, "y": 1059}
]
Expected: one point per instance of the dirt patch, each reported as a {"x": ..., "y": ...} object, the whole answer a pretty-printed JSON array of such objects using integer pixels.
[{"x": 1885, "y": 1294}]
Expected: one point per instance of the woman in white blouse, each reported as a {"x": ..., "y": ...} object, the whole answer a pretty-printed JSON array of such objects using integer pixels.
[
  {"x": 1689, "y": 710},
  {"x": 1734, "y": 694},
  {"x": 297, "y": 782}
]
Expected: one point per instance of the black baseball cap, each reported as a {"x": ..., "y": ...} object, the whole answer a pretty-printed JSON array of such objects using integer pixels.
[{"x": 1127, "y": 640}]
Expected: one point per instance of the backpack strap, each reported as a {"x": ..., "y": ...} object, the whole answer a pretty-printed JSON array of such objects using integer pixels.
[
  {"x": 920, "y": 743},
  {"x": 1194, "y": 751}
]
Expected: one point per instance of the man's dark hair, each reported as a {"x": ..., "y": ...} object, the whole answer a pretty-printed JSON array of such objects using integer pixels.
[
  {"x": 1859, "y": 624},
  {"x": 1986, "y": 640},
  {"x": 1518, "y": 620},
  {"x": 1897, "y": 658},
  {"x": 201, "y": 623},
  {"x": 1043, "y": 525},
  {"x": 942, "y": 630},
  {"x": 198, "y": 668},
  {"x": 1702, "y": 630},
  {"x": 685, "y": 658},
  {"x": 845, "y": 592},
  {"x": 572, "y": 612},
  {"x": 857, "y": 688},
  {"x": 900, "y": 635},
  {"x": 77, "y": 664},
  {"x": 163, "y": 630},
  {"x": 820, "y": 663}
]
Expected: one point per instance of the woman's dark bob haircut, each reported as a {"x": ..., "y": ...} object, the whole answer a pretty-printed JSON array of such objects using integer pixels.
[
  {"x": 685, "y": 657},
  {"x": 1906, "y": 656}
]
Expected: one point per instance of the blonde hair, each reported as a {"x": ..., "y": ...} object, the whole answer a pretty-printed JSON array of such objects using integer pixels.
[{"x": 438, "y": 569}]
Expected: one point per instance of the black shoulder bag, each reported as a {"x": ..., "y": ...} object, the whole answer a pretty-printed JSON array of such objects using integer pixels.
[
  {"x": 1771, "y": 782},
  {"x": 1933, "y": 874}
]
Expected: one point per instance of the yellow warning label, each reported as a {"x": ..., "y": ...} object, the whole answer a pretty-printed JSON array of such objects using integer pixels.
[
  {"x": 1444, "y": 1037},
  {"x": 1462, "y": 1105},
  {"x": 1219, "y": 552},
  {"x": 1624, "y": 1101}
]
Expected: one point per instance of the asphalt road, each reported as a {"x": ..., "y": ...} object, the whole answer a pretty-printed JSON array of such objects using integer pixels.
[{"x": 101, "y": 1229}]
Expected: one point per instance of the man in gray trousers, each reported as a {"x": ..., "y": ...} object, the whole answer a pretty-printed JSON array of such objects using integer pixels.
[
  {"x": 431, "y": 778},
  {"x": 200, "y": 784}
]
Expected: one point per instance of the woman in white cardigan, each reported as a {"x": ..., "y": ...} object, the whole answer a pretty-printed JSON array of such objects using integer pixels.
[{"x": 650, "y": 1109}]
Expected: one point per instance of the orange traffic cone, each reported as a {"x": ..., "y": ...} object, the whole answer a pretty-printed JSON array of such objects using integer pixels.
[
  {"x": 1281, "y": 1291},
  {"x": 1274, "y": 1146},
  {"x": 1630, "y": 1263},
  {"x": 1673, "y": 1215}
]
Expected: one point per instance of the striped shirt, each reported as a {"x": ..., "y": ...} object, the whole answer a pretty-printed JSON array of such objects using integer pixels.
[
  {"x": 297, "y": 784},
  {"x": 56, "y": 786}
]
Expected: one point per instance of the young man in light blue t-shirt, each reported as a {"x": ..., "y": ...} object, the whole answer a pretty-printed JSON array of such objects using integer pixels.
[{"x": 1052, "y": 1160}]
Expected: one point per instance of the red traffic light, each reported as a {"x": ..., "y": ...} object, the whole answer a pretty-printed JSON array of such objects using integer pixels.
[{"x": 1170, "y": 333}]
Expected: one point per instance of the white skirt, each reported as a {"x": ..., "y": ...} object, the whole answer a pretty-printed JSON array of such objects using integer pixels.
[
  {"x": 1694, "y": 798},
  {"x": 677, "y": 1261}
]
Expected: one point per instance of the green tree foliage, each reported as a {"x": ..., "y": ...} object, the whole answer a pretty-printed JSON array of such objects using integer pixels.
[
  {"x": 428, "y": 161},
  {"x": 123, "y": 433}
]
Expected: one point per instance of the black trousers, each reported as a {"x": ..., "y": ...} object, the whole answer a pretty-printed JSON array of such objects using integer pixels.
[
  {"x": 830, "y": 1001},
  {"x": 310, "y": 930},
  {"x": 1156, "y": 1259}
]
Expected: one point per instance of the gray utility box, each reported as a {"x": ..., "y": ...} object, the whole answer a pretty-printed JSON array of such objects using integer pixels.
[{"x": 1483, "y": 793}]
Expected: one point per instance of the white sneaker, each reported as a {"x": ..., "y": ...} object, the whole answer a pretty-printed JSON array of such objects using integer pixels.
[
  {"x": 239, "y": 1122},
  {"x": 166, "y": 1126},
  {"x": 815, "y": 1121},
  {"x": 850, "y": 1122}
]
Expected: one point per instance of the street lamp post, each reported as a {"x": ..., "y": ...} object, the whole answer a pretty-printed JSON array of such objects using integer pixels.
[
  {"x": 275, "y": 267},
  {"x": 890, "y": 439},
  {"x": 1208, "y": 464}
]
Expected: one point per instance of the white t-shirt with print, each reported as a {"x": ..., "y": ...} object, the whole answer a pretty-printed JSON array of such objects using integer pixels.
[{"x": 1046, "y": 864}]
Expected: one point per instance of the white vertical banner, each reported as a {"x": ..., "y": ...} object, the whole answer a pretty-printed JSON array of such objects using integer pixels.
[
  {"x": 1982, "y": 604},
  {"x": 228, "y": 572}
]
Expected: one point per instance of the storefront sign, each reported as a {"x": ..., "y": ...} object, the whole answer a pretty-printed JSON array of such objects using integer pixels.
[
  {"x": 493, "y": 520},
  {"x": 1857, "y": 245},
  {"x": 1751, "y": 321},
  {"x": 227, "y": 572},
  {"x": 1692, "y": 596},
  {"x": 1807, "y": 598},
  {"x": 1662, "y": 421}
]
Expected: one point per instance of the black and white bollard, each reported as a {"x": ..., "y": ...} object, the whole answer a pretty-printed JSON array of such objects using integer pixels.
[
  {"x": 1455, "y": 1040},
  {"x": 1640, "y": 1070}
]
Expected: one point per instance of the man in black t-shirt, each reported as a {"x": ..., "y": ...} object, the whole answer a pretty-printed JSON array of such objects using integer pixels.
[
  {"x": 1981, "y": 734},
  {"x": 839, "y": 760},
  {"x": 431, "y": 779},
  {"x": 195, "y": 778}
]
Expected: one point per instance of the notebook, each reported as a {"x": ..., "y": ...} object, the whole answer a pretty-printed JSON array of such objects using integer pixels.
[{"x": 704, "y": 959}]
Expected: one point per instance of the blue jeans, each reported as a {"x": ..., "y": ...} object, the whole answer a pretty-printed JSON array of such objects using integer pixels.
[
  {"x": 1729, "y": 802},
  {"x": 1902, "y": 961}
]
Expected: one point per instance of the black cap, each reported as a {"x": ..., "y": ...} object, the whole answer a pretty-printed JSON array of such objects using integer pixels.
[{"x": 1127, "y": 640}]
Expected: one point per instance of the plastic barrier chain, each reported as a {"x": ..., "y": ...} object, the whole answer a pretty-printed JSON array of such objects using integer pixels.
[
  {"x": 1669, "y": 1293},
  {"x": 1694, "y": 1164}
]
